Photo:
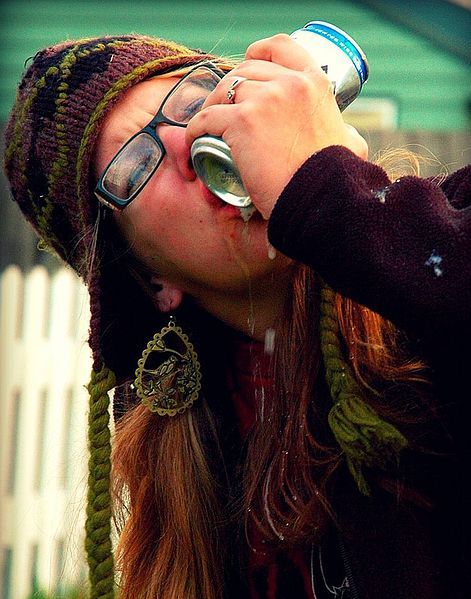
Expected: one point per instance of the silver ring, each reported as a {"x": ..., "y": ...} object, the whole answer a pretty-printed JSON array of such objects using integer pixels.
[{"x": 231, "y": 92}]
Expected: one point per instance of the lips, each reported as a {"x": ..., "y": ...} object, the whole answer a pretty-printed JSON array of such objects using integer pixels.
[
  {"x": 217, "y": 203},
  {"x": 209, "y": 196}
]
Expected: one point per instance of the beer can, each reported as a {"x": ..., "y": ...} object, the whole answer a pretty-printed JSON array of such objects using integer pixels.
[
  {"x": 346, "y": 66},
  {"x": 339, "y": 56}
]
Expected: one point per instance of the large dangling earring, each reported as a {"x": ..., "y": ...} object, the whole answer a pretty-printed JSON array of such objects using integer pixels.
[{"x": 168, "y": 375}]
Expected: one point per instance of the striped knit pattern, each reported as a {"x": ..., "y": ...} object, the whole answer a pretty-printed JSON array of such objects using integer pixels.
[{"x": 61, "y": 102}]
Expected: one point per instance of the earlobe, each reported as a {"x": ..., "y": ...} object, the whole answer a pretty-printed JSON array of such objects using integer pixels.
[{"x": 165, "y": 296}]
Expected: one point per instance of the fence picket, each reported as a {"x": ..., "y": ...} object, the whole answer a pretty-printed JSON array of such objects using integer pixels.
[{"x": 44, "y": 366}]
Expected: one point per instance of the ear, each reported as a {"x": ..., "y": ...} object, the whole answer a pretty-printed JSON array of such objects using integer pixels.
[{"x": 166, "y": 297}]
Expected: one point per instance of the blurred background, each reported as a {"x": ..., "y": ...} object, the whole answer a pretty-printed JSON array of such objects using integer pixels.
[{"x": 418, "y": 96}]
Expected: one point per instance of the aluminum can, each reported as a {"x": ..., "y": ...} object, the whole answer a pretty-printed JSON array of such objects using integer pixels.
[
  {"x": 342, "y": 59},
  {"x": 346, "y": 66}
]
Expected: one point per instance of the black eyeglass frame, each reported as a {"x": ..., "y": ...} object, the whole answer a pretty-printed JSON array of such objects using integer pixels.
[{"x": 116, "y": 203}]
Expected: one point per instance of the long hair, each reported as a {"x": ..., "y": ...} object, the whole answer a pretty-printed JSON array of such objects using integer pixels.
[
  {"x": 174, "y": 504},
  {"x": 293, "y": 454},
  {"x": 171, "y": 539}
]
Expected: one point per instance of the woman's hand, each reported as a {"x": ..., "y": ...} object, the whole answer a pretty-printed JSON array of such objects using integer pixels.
[{"x": 282, "y": 113}]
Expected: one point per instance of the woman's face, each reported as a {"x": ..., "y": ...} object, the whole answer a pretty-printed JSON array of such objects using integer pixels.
[{"x": 176, "y": 226}]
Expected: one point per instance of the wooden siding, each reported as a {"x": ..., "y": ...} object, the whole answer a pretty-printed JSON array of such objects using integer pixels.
[{"x": 431, "y": 86}]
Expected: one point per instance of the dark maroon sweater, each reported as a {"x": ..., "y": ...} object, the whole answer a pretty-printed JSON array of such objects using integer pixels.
[{"x": 404, "y": 250}]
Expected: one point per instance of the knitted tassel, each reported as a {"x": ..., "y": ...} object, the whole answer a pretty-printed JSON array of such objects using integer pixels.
[
  {"x": 98, "y": 523},
  {"x": 365, "y": 439}
]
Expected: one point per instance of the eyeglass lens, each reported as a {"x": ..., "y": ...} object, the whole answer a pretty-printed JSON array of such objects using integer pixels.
[{"x": 189, "y": 95}]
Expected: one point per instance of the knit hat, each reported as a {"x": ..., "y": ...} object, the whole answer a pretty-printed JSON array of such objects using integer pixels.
[{"x": 62, "y": 100}]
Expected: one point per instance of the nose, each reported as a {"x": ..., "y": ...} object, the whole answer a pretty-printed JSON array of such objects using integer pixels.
[{"x": 177, "y": 150}]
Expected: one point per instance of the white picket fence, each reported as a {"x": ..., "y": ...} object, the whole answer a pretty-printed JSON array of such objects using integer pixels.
[{"x": 44, "y": 365}]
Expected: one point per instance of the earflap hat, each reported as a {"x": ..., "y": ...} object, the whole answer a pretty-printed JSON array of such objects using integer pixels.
[{"x": 62, "y": 100}]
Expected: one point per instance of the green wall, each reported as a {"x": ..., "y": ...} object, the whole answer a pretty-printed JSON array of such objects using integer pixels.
[{"x": 432, "y": 87}]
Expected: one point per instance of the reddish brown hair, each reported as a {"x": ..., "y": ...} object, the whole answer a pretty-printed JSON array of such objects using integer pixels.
[{"x": 173, "y": 542}]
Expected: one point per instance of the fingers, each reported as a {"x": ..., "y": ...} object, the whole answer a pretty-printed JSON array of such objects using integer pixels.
[
  {"x": 355, "y": 142},
  {"x": 268, "y": 59},
  {"x": 231, "y": 91},
  {"x": 214, "y": 118},
  {"x": 256, "y": 70},
  {"x": 283, "y": 50},
  {"x": 258, "y": 90},
  {"x": 240, "y": 103},
  {"x": 243, "y": 80},
  {"x": 217, "y": 119}
]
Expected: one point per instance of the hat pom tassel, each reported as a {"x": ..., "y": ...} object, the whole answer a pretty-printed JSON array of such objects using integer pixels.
[{"x": 366, "y": 439}]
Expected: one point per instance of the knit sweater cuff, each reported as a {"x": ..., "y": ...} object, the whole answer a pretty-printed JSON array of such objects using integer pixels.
[{"x": 316, "y": 182}]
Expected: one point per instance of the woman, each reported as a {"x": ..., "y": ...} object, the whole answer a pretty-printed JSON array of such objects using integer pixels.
[{"x": 274, "y": 438}]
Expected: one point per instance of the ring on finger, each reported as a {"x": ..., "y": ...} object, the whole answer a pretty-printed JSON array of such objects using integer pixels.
[{"x": 231, "y": 92}]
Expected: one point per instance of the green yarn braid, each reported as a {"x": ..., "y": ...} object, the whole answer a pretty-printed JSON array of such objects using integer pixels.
[
  {"x": 98, "y": 524},
  {"x": 365, "y": 439}
]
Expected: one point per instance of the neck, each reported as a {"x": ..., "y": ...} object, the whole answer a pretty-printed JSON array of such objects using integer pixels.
[{"x": 254, "y": 310}]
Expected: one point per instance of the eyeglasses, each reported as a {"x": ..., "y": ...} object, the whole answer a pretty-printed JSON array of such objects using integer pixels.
[{"x": 136, "y": 162}]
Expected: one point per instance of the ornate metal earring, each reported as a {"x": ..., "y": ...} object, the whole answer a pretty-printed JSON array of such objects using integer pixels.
[{"x": 168, "y": 375}]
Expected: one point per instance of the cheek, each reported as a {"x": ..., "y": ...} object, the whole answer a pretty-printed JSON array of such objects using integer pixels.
[
  {"x": 159, "y": 227},
  {"x": 159, "y": 240}
]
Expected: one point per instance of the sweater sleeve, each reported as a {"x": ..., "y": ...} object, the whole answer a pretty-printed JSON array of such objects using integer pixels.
[{"x": 403, "y": 249}]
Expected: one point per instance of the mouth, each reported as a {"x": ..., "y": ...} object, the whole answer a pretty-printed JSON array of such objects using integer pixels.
[{"x": 218, "y": 204}]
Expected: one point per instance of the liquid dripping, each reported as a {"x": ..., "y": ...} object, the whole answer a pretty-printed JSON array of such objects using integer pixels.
[
  {"x": 271, "y": 252},
  {"x": 246, "y": 212},
  {"x": 269, "y": 341},
  {"x": 260, "y": 396},
  {"x": 229, "y": 239},
  {"x": 245, "y": 268}
]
